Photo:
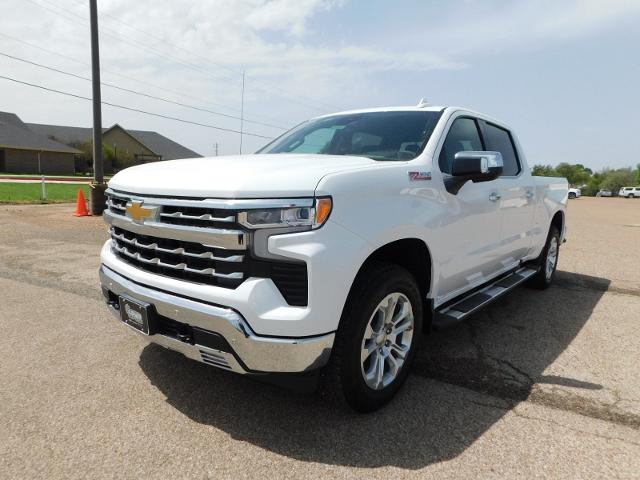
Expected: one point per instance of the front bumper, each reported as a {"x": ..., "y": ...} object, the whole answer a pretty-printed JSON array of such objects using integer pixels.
[{"x": 230, "y": 342}]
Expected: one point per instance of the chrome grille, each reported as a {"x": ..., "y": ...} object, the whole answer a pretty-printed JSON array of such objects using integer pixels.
[
  {"x": 116, "y": 205},
  {"x": 198, "y": 241},
  {"x": 193, "y": 213},
  {"x": 184, "y": 260},
  {"x": 123, "y": 237}
]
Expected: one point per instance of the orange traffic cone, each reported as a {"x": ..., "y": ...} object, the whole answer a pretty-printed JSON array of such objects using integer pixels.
[{"x": 81, "y": 205}]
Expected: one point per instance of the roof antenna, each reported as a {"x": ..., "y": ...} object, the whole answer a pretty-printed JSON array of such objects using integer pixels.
[{"x": 423, "y": 103}]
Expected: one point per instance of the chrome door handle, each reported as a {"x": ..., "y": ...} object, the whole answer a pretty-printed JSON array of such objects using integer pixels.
[
  {"x": 529, "y": 194},
  {"x": 494, "y": 197}
]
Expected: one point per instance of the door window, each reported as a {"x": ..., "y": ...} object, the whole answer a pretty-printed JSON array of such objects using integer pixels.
[
  {"x": 499, "y": 140},
  {"x": 463, "y": 136}
]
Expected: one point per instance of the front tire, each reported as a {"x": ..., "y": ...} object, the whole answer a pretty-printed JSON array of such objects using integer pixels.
[
  {"x": 547, "y": 262},
  {"x": 572, "y": 195},
  {"x": 377, "y": 339}
]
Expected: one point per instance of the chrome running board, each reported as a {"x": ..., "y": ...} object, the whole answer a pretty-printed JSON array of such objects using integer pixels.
[{"x": 460, "y": 308}]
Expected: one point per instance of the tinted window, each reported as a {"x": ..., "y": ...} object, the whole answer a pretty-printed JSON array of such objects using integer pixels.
[
  {"x": 499, "y": 140},
  {"x": 315, "y": 141},
  {"x": 463, "y": 136},
  {"x": 377, "y": 135}
]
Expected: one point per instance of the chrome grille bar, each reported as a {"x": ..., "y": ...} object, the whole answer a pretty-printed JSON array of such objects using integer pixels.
[
  {"x": 176, "y": 251},
  {"x": 180, "y": 266},
  {"x": 206, "y": 216},
  {"x": 215, "y": 237},
  {"x": 117, "y": 206}
]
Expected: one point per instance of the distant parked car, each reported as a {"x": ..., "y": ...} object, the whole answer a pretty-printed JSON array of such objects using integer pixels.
[
  {"x": 604, "y": 193},
  {"x": 629, "y": 192},
  {"x": 575, "y": 193}
]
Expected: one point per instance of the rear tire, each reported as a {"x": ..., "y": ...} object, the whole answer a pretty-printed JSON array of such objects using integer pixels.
[
  {"x": 377, "y": 339},
  {"x": 547, "y": 261}
]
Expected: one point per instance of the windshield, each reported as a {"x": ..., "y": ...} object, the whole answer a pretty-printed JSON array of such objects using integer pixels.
[{"x": 376, "y": 135}]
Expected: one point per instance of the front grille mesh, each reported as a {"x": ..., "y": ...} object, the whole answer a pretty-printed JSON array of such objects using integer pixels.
[
  {"x": 199, "y": 263},
  {"x": 184, "y": 260}
]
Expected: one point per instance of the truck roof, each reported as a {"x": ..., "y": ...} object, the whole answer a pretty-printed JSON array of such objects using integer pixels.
[
  {"x": 417, "y": 108},
  {"x": 412, "y": 108}
]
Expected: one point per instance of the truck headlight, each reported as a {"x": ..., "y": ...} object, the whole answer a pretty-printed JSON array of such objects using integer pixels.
[
  {"x": 298, "y": 216},
  {"x": 295, "y": 217}
]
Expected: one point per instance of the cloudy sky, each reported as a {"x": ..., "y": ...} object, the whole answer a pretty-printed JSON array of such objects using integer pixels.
[{"x": 565, "y": 74}]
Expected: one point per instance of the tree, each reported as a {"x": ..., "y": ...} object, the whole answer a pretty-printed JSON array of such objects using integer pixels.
[
  {"x": 113, "y": 160},
  {"x": 576, "y": 175},
  {"x": 544, "y": 171},
  {"x": 593, "y": 186},
  {"x": 581, "y": 176},
  {"x": 84, "y": 160},
  {"x": 616, "y": 179}
]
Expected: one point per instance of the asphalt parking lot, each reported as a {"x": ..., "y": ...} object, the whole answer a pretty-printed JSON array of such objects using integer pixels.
[{"x": 541, "y": 384}]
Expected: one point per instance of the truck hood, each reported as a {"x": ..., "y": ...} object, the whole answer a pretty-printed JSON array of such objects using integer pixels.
[{"x": 238, "y": 176}]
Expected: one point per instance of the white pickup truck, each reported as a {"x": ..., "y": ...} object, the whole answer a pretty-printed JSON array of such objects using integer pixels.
[{"x": 331, "y": 250}]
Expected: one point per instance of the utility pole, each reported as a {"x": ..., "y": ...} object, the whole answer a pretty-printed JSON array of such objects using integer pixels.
[
  {"x": 216, "y": 149},
  {"x": 98, "y": 186},
  {"x": 242, "y": 112}
]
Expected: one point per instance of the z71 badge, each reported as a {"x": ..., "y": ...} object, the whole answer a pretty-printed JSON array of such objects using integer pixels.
[{"x": 419, "y": 175}]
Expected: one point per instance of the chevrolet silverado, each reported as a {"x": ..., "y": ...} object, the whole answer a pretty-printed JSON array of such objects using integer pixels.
[{"x": 333, "y": 248}]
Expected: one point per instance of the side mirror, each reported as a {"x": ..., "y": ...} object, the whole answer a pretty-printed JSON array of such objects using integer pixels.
[{"x": 474, "y": 166}]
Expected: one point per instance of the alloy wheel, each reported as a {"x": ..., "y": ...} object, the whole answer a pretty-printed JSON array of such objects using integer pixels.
[
  {"x": 552, "y": 258},
  {"x": 387, "y": 341}
]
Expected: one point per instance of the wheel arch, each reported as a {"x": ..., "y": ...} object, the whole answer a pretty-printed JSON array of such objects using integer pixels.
[
  {"x": 558, "y": 221},
  {"x": 412, "y": 254}
]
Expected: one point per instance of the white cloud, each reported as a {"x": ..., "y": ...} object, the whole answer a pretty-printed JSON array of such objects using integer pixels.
[{"x": 286, "y": 15}]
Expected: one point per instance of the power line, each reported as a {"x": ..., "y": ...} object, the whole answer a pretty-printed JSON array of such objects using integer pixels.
[
  {"x": 163, "y": 56},
  {"x": 115, "y": 105},
  {"x": 142, "y": 82},
  {"x": 131, "y": 41},
  {"x": 124, "y": 38},
  {"x": 160, "y": 39},
  {"x": 142, "y": 94},
  {"x": 190, "y": 52}
]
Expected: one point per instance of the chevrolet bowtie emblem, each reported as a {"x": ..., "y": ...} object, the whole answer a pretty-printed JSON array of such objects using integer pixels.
[{"x": 139, "y": 214}]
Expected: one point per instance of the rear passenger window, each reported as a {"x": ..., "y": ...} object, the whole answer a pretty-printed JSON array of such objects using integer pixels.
[
  {"x": 499, "y": 140},
  {"x": 463, "y": 136}
]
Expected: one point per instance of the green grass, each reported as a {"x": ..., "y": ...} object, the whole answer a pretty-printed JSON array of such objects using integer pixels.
[
  {"x": 75, "y": 175},
  {"x": 32, "y": 192}
]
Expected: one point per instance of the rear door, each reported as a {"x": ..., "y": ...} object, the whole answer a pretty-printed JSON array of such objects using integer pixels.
[
  {"x": 515, "y": 188},
  {"x": 469, "y": 231}
]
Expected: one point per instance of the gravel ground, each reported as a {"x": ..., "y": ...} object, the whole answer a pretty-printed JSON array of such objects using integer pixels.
[{"x": 541, "y": 384}]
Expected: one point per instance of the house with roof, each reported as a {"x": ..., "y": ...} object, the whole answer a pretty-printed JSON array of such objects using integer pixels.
[
  {"x": 24, "y": 151},
  {"x": 58, "y": 147}
]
